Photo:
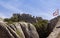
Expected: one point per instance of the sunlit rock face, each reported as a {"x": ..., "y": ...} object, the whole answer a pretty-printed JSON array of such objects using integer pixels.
[
  {"x": 56, "y": 30},
  {"x": 4, "y": 31},
  {"x": 18, "y": 30},
  {"x": 1, "y": 19},
  {"x": 29, "y": 30}
]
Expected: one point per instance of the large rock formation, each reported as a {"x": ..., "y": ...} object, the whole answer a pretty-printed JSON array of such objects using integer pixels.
[
  {"x": 18, "y": 30},
  {"x": 55, "y": 24}
]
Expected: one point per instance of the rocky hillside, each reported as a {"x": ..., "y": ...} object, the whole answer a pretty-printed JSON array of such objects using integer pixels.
[
  {"x": 55, "y": 28},
  {"x": 18, "y": 30},
  {"x": 53, "y": 23},
  {"x": 20, "y": 27},
  {"x": 40, "y": 24}
]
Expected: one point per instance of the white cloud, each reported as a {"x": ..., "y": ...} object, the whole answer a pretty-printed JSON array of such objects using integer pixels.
[
  {"x": 42, "y": 9},
  {"x": 10, "y": 7},
  {"x": 2, "y": 15}
]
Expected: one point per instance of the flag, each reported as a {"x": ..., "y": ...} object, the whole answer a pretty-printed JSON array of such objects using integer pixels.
[{"x": 56, "y": 13}]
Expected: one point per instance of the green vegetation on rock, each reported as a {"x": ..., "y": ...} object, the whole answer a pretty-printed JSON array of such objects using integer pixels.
[{"x": 40, "y": 23}]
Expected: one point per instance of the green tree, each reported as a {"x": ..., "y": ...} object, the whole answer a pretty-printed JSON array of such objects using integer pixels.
[{"x": 41, "y": 27}]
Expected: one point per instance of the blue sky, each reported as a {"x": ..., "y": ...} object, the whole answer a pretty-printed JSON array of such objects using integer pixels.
[{"x": 42, "y": 8}]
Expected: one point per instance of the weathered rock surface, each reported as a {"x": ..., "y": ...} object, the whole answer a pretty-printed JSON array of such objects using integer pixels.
[
  {"x": 56, "y": 30},
  {"x": 18, "y": 30},
  {"x": 29, "y": 30}
]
